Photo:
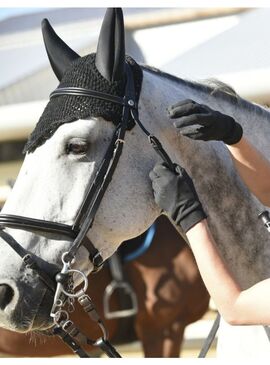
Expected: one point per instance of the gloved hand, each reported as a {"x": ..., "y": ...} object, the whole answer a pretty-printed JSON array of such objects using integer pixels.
[
  {"x": 175, "y": 193},
  {"x": 198, "y": 121}
]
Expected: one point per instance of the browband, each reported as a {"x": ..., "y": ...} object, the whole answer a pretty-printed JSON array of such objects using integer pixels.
[{"x": 78, "y": 91}]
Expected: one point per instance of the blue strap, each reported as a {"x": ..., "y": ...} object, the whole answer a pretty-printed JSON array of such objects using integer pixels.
[{"x": 145, "y": 245}]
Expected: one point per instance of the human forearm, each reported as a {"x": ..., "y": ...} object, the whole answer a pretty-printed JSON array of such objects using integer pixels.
[
  {"x": 253, "y": 168},
  {"x": 219, "y": 281},
  {"x": 237, "y": 306},
  {"x": 175, "y": 194}
]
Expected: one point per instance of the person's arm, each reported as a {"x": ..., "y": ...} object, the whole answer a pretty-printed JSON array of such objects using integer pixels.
[
  {"x": 253, "y": 168},
  {"x": 237, "y": 307},
  {"x": 175, "y": 193},
  {"x": 199, "y": 122}
]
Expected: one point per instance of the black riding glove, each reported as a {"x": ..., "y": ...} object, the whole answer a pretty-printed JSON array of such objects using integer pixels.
[
  {"x": 175, "y": 193},
  {"x": 198, "y": 121}
]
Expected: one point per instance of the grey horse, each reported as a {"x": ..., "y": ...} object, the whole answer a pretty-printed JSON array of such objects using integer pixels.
[{"x": 52, "y": 183}]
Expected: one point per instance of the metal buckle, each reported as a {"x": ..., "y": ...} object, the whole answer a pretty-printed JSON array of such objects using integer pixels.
[
  {"x": 28, "y": 261},
  {"x": 97, "y": 262}
]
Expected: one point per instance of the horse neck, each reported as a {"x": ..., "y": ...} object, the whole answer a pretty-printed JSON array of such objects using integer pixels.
[{"x": 232, "y": 210}]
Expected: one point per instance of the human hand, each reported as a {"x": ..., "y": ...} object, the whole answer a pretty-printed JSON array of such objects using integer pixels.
[
  {"x": 174, "y": 192},
  {"x": 200, "y": 122}
]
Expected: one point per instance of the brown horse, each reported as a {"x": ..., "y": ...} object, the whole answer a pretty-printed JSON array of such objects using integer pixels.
[{"x": 170, "y": 296}]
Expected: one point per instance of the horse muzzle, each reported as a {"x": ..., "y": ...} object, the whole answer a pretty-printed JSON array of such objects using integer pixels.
[{"x": 24, "y": 306}]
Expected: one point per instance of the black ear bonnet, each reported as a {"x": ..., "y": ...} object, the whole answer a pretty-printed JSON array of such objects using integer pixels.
[{"x": 68, "y": 108}]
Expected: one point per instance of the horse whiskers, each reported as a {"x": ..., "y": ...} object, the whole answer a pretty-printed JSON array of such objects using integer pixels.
[
  {"x": 32, "y": 338},
  {"x": 37, "y": 338},
  {"x": 26, "y": 320}
]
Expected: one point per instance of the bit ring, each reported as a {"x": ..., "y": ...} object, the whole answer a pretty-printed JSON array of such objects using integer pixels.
[
  {"x": 80, "y": 291},
  {"x": 57, "y": 316}
]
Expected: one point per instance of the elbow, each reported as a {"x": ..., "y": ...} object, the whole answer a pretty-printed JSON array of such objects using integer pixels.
[
  {"x": 233, "y": 318},
  {"x": 233, "y": 312}
]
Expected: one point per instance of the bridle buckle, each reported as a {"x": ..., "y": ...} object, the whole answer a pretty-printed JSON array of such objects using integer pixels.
[
  {"x": 97, "y": 262},
  {"x": 28, "y": 261}
]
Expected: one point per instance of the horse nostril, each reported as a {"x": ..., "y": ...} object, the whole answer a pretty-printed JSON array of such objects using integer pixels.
[{"x": 6, "y": 295}]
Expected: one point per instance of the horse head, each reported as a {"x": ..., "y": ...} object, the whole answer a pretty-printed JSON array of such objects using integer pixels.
[{"x": 63, "y": 155}]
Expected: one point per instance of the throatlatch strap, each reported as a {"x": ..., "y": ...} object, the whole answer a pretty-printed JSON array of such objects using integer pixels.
[{"x": 155, "y": 142}]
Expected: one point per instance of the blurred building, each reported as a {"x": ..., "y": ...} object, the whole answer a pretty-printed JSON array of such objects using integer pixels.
[{"x": 227, "y": 43}]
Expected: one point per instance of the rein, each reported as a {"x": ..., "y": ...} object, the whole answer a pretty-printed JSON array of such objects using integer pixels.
[{"x": 83, "y": 222}]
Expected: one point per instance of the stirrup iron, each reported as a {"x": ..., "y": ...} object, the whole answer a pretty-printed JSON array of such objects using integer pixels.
[{"x": 128, "y": 291}]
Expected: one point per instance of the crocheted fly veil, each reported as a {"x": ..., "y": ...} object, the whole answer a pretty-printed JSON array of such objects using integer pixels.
[
  {"x": 68, "y": 108},
  {"x": 80, "y": 72}
]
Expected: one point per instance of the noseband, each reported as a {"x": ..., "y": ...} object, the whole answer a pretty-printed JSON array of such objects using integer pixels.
[{"x": 94, "y": 194}]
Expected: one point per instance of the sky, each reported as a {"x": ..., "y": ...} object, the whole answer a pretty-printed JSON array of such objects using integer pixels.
[{"x": 8, "y": 12}]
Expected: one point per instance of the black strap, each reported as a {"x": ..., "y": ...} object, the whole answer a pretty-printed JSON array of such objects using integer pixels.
[
  {"x": 89, "y": 216},
  {"x": 94, "y": 255},
  {"x": 106, "y": 171},
  {"x": 75, "y": 347},
  {"x": 156, "y": 144},
  {"x": 104, "y": 345},
  {"x": 77, "y": 336},
  {"x": 86, "y": 215},
  {"x": 96, "y": 190},
  {"x": 107, "y": 347},
  {"x": 78, "y": 91},
  {"x": 93, "y": 186},
  {"x": 210, "y": 338},
  {"x": 26, "y": 223},
  {"x": 28, "y": 260},
  {"x": 267, "y": 331},
  {"x": 13, "y": 244}
]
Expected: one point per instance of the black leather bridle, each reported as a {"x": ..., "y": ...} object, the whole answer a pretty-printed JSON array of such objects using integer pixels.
[
  {"x": 69, "y": 333},
  {"x": 94, "y": 192},
  {"x": 84, "y": 219}
]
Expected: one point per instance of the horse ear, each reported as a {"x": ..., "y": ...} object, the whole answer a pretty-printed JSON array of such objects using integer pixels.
[
  {"x": 59, "y": 53},
  {"x": 110, "y": 56}
]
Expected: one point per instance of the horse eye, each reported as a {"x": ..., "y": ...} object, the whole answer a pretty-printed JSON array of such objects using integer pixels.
[{"x": 77, "y": 148}]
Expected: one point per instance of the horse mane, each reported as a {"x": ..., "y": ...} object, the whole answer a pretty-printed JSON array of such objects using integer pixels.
[
  {"x": 213, "y": 87},
  {"x": 218, "y": 86}
]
